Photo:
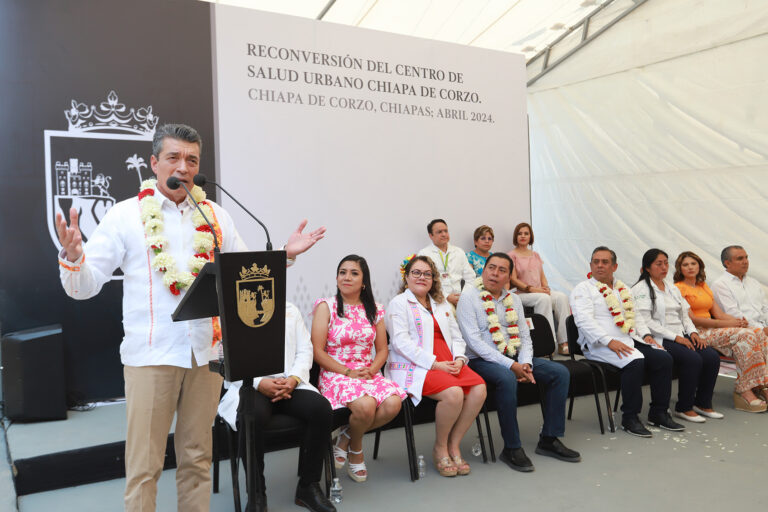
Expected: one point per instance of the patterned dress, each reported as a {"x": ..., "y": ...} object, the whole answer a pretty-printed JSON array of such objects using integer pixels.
[
  {"x": 748, "y": 346},
  {"x": 351, "y": 342},
  {"x": 477, "y": 262}
]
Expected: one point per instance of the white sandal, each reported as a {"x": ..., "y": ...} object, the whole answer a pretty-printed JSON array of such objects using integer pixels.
[
  {"x": 338, "y": 452},
  {"x": 353, "y": 468}
]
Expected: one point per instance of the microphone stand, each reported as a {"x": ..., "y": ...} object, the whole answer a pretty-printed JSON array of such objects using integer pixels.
[
  {"x": 201, "y": 180},
  {"x": 173, "y": 183}
]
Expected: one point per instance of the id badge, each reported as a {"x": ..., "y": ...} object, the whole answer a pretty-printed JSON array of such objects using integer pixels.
[{"x": 444, "y": 275}]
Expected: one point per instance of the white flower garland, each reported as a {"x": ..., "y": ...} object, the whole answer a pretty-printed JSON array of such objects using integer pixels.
[
  {"x": 624, "y": 313},
  {"x": 510, "y": 345},
  {"x": 202, "y": 243}
]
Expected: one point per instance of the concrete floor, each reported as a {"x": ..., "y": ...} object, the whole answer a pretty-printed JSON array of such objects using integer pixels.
[
  {"x": 7, "y": 491},
  {"x": 719, "y": 464}
]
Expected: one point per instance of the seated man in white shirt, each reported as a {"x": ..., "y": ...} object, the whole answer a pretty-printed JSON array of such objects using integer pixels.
[
  {"x": 738, "y": 294},
  {"x": 451, "y": 261},
  {"x": 291, "y": 394},
  {"x": 610, "y": 332}
]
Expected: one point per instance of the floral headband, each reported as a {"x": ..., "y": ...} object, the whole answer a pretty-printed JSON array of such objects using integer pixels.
[{"x": 405, "y": 264}]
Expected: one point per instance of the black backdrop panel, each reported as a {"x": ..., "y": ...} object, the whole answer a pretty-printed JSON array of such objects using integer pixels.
[{"x": 150, "y": 53}]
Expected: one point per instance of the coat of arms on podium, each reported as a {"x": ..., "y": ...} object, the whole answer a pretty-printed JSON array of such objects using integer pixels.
[
  {"x": 255, "y": 296},
  {"x": 98, "y": 161}
]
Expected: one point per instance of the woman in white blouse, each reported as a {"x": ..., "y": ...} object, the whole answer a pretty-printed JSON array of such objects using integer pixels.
[
  {"x": 426, "y": 358},
  {"x": 665, "y": 313}
]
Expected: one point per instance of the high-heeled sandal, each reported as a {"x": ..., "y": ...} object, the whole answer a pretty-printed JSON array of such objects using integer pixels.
[
  {"x": 338, "y": 451},
  {"x": 354, "y": 467},
  {"x": 462, "y": 466},
  {"x": 740, "y": 403},
  {"x": 446, "y": 467}
]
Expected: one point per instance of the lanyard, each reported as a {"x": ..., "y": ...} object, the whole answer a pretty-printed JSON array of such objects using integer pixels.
[{"x": 444, "y": 260}]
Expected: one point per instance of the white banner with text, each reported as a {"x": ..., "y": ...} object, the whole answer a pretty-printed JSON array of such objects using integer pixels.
[{"x": 368, "y": 133}]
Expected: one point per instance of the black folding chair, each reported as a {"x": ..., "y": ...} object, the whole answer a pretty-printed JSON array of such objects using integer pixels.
[
  {"x": 281, "y": 433},
  {"x": 543, "y": 347},
  {"x": 599, "y": 368}
]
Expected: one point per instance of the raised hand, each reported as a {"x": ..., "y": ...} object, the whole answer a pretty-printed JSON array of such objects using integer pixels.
[
  {"x": 299, "y": 242},
  {"x": 70, "y": 237}
]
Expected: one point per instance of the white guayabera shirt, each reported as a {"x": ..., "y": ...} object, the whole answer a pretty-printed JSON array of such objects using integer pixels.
[
  {"x": 741, "y": 298},
  {"x": 452, "y": 265},
  {"x": 151, "y": 337}
]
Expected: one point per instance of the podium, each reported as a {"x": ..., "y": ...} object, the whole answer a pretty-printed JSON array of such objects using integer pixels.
[{"x": 246, "y": 290}]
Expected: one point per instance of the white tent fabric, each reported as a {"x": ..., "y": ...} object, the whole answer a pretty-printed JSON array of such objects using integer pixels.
[
  {"x": 521, "y": 26},
  {"x": 655, "y": 135}
]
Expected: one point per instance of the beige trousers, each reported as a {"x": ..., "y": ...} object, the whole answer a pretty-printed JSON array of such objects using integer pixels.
[{"x": 153, "y": 394}]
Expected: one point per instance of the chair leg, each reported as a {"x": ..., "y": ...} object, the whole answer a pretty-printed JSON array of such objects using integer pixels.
[
  {"x": 330, "y": 468},
  {"x": 234, "y": 467},
  {"x": 481, "y": 437},
  {"x": 611, "y": 423},
  {"x": 409, "y": 440},
  {"x": 618, "y": 394},
  {"x": 376, "y": 439},
  {"x": 301, "y": 461},
  {"x": 597, "y": 403},
  {"x": 488, "y": 430},
  {"x": 216, "y": 455}
]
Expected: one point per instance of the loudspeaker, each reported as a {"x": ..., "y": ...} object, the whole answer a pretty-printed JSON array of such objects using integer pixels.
[{"x": 33, "y": 374}]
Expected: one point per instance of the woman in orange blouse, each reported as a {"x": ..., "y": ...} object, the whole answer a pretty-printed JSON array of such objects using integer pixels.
[{"x": 728, "y": 335}]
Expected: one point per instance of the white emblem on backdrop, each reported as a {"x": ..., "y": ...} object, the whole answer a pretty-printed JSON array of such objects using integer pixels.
[{"x": 97, "y": 161}]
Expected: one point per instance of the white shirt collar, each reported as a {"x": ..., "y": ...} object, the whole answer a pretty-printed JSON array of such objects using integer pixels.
[
  {"x": 448, "y": 248},
  {"x": 187, "y": 203}
]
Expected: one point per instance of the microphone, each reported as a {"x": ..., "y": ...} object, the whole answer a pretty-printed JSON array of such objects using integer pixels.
[
  {"x": 201, "y": 180},
  {"x": 174, "y": 183}
]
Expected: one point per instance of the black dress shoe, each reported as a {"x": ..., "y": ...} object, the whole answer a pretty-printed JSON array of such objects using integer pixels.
[
  {"x": 634, "y": 426},
  {"x": 665, "y": 421},
  {"x": 557, "y": 450},
  {"x": 313, "y": 498},
  {"x": 516, "y": 459}
]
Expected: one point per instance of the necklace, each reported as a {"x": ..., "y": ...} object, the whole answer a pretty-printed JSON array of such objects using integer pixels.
[
  {"x": 505, "y": 346},
  {"x": 623, "y": 313},
  {"x": 202, "y": 243}
]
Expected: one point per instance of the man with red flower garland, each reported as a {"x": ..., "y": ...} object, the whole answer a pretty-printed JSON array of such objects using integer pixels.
[
  {"x": 609, "y": 332},
  {"x": 500, "y": 349},
  {"x": 158, "y": 241}
]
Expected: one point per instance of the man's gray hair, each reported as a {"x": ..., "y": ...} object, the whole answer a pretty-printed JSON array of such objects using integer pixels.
[
  {"x": 725, "y": 255},
  {"x": 181, "y": 132},
  {"x": 604, "y": 248}
]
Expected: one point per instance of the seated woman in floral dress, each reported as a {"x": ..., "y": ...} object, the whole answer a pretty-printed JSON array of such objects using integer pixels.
[
  {"x": 729, "y": 335},
  {"x": 345, "y": 330}
]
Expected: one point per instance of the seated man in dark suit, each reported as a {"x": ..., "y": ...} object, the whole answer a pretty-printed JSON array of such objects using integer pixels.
[{"x": 291, "y": 394}]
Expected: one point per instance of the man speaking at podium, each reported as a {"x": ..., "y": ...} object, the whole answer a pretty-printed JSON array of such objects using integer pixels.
[{"x": 160, "y": 242}]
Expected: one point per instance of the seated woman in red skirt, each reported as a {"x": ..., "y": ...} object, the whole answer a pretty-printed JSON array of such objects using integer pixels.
[{"x": 426, "y": 358}]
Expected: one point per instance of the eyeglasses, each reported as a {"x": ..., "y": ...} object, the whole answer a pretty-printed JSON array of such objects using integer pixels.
[{"x": 418, "y": 273}]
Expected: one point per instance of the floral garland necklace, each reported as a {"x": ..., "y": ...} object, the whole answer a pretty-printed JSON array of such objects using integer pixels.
[
  {"x": 202, "y": 243},
  {"x": 623, "y": 314},
  {"x": 510, "y": 345}
]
